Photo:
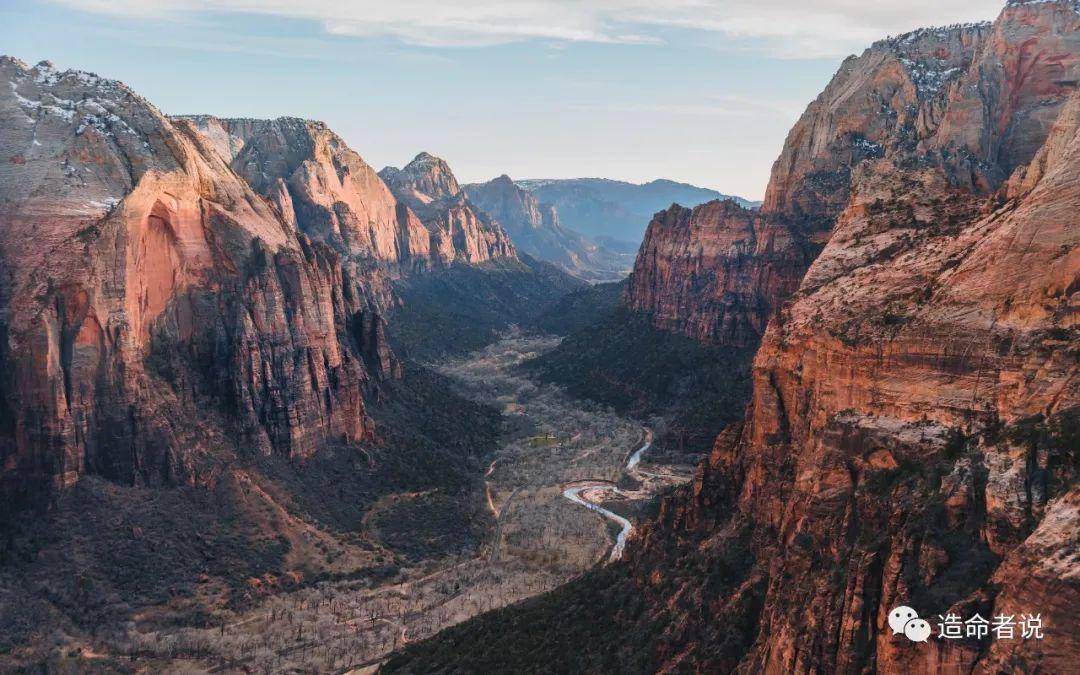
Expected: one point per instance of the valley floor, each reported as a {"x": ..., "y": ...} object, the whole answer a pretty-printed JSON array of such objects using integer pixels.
[{"x": 558, "y": 460}]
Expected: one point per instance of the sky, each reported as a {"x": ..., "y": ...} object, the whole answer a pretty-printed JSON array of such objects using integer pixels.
[{"x": 698, "y": 91}]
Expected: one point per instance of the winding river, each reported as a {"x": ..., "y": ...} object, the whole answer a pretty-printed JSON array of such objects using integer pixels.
[{"x": 574, "y": 495}]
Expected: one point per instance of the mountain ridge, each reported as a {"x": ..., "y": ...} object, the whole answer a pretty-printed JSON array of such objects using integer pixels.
[
  {"x": 619, "y": 210},
  {"x": 911, "y": 435},
  {"x": 536, "y": 228}
]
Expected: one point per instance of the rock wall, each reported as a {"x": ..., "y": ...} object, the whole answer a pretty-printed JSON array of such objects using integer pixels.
[
  {"x": 974, "y": 101},
  {"x": 916, "y": 408},
  {"x": 459, "y": 230},
  {"x": 159, "y": 316},
  {"x": 716, "y": 272},
  {"x": 327, "y": 190}
]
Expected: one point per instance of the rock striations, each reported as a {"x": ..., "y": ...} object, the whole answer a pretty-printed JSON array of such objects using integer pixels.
[
  {"x": 716, "y": 272},
  {"x": 459, "y": 231},
  {"x": 162, "y": 312},
  {"x": 327, "y": 190},
  {"x": 973, "y": 101},
  {"x": 913, "y": 429}
]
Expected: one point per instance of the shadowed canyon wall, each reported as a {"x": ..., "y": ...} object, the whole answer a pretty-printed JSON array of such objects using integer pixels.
[
  {"x": 912, "y": 434},
  {"x": 913, "y": 429},
  {"x": 159, "y": 315}
]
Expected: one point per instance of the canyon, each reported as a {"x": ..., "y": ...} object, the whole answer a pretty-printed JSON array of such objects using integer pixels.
[
  {"x": 912, "y": 431},
  {"x": 204, "y": 415},
  {"x": 263, "y": 407}
]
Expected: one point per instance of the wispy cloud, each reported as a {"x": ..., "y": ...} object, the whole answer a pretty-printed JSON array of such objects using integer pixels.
[{"x": 786, "y": 28}]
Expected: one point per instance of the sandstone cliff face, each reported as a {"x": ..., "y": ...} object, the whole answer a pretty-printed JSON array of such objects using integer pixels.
[
  {"x": 535, "y": 229},
  {"x": 916, "y": 409},
  {"x": 321, "y": 186},
  {"x": 459, "y": 231},
  {"x": 974, "y": 101},
  {"x": 158, "y": 315},
  {"x": 716, "y": 272},
  {"x": 328, "y": 192}
]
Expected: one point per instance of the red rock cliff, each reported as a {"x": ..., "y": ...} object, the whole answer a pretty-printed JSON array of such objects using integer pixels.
[
  {"x": 331, "y": 194},
  {"x": 975, "y": 101},
  {"x": 158, "y": 315},
  {"x": 913, "y": 431},
  {"x": 459, "y": 230},
  {"x": 716, "y": 272}
]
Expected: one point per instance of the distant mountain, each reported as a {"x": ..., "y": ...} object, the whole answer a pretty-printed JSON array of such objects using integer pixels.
[
  {"x": 536, "y": 228},
  {"x": 428, "y": 187},
  {"x": 613, "y": 209},
  {"x": 326, "y": 190},
  {"x": 914, "y": 414}
]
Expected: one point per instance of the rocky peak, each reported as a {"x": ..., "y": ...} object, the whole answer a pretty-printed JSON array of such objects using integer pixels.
[
  {"x": 426, "y": 178},
  {"x": 458, "y": 229},
  {"x": 895, "y": 435},
  {"x": 970, "y": 98},
  {"x": 323, "y": 188},
  {"x": 975, "y": 100},
  {"x": 145, "y": 284},
  {"x": 396, "y": 218}
]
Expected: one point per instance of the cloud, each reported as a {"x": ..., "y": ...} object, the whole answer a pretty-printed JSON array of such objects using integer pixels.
[{"x": 787, "y": 28}]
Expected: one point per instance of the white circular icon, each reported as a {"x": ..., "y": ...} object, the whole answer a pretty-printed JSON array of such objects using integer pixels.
[
  {"x": 900, "y": 616},
  {"x": 917, "y": 630}
]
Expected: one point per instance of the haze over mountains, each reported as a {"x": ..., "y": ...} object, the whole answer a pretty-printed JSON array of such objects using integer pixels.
[
  {"x": 263, "y": 408},
  {"x": 911, "y": 436},
  {"x": 608, "y": 210}
]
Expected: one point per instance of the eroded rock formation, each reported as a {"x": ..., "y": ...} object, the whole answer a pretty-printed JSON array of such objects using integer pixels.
[
  {"x": 716, "y": 272},
  {"x": 974, "y": 101},
  {"x": 459, "y": 231},
  {"x": 331, "y": 194},
  {"x": 159, "y": 316},
  {"x": 913, "y": 431}
]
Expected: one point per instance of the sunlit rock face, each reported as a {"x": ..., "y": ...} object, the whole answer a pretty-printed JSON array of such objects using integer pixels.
[
  {"x": 158, "y": 314},
  {"x": 912, "y": 434},
  {"x": 974, "y": 102},
  {"x": 459, "y": 230},
  {"x": 324, "y": 188}
]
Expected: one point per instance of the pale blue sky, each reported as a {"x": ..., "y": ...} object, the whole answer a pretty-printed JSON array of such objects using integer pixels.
[{"x": 691, "y": 90}]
